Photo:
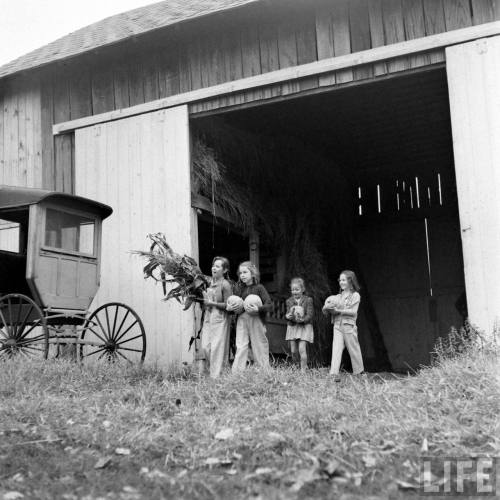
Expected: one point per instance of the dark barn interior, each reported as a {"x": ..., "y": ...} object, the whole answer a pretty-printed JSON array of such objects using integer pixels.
[{"x": 375, "y": 161}]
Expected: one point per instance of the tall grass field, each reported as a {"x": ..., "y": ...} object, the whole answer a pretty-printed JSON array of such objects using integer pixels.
[{"x": 86, "y": 432}]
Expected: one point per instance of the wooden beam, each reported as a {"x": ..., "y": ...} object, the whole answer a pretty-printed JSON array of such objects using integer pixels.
[
  {"x": 356, "y": 59},
  {"x": 202, "y": 203}
]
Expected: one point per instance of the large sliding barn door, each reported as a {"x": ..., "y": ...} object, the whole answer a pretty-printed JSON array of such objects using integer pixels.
[
  {"x": 474, "y": 86},
  {"x": 141, "y": 167}
]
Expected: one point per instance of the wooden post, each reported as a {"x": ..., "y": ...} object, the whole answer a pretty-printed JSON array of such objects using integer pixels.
[{"x": 254, "y": 244}]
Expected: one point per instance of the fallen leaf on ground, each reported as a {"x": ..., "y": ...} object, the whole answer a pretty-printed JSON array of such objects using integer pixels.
[
  {"x": 212, "y": 461},
  {"x": 405, "y": 485},
  {"x": 304, "y": 476},
  {"x": 102, "y": 462},
  {"x": 12, "y": 495},
  {"x": 224, "y": 434},
  {"x": 369, "y": 460},
  {"x": 122, "y": 451},
  {"x": 425, "y": 446},
  {"x": 331, "y": 467}
]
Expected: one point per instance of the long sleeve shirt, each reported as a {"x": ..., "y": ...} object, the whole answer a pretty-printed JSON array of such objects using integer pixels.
[{"x": 244, "y": 291}]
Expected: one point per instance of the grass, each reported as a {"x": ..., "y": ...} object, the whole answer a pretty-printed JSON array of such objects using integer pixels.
[{"x": 290, "y": 435}]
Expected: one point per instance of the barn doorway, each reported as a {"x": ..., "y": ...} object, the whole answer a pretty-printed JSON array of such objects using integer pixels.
[{"x": 378, "y": 159}]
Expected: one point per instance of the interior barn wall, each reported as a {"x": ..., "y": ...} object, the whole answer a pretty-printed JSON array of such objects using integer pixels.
[
  {"x": 248, "y": 41},
  {"x": 20, "y": 134}
]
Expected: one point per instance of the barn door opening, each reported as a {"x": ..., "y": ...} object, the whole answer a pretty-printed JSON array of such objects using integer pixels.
[{"x": 362, "y": 178}]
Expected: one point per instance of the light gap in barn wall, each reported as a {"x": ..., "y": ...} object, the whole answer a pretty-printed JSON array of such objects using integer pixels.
[
  {"x": 417, "y": 192},
  {"x": 378, "y": 198},
  {"x": 428, "y": 254},
  {"x": 439, "y": 188}
]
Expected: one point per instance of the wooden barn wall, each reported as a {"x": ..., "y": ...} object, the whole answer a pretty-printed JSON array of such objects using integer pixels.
[
  {"x": 20, "y": 134},
  {"x": 248, "y": 41}
]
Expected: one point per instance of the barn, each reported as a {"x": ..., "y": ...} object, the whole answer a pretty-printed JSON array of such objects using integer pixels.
[{"x": 358, "y": 134}]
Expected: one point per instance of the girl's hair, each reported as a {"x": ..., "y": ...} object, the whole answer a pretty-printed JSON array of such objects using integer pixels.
[
  {"x": 298, "y": 281},
  {"x": 225, "y": 265},
  {"x": 253, "y": 271},
  {"x": 351, "y": 279}
]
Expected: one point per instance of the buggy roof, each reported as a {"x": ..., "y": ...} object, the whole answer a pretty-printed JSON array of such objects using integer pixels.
[{"x": 18, "y": 197}]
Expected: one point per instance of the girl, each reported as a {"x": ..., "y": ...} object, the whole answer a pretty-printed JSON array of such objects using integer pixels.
[
  {"x": 215, "y": 331},
  {"x": 299, "y": 330},
  {"x": 250, "y": 326},
  {"x": 344, "y": 312}
]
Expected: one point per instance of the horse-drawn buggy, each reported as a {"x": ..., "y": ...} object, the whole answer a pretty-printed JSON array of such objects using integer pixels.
[{"x": 50, "y": 246}]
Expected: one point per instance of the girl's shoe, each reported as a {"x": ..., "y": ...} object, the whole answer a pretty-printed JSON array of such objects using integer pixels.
[{"x": 336, "y": 377}]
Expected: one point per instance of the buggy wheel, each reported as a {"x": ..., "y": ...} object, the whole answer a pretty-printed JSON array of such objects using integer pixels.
[
  {"x": 113, "y": 332},
  {"x": 23, "y": 328}
]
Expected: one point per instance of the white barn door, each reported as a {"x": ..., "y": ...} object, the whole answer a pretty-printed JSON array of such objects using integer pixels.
[
  {"x": 474, "y": 86},
  {"x": 141, "y": 167}
]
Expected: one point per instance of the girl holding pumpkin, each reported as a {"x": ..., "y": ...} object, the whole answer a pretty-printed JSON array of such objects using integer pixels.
[
  {"x": 216, "y": 324},
  {"x": 344, "y": 310},
  {"x": 299, "y": 313},
  {"x": 251, "y": 311}
]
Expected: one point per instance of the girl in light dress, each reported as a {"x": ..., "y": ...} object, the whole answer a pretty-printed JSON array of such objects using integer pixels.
[{"x": 299, "y": 313}]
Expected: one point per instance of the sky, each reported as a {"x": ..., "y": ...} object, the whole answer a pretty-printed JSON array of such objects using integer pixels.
[{"x": 26, "y": 25}]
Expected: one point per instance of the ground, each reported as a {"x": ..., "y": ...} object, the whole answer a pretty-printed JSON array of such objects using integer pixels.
[{"x": 70, "y": 431}]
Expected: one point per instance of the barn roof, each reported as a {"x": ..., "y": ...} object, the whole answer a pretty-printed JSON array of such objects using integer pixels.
[
  {"x": 19, "y": 197},
  {"x": 117, "y": 28}
]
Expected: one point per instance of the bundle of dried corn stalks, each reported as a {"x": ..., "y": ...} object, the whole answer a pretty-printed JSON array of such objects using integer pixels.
[{"x": 166, "y": 266}]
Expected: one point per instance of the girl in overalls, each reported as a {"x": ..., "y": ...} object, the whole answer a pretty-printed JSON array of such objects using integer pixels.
[
  {"x": 215, "y": 331},
  {"x": 251, "y": 323},
  {"x": 299, "y": 313},
  {"x": 344, "y": 313}
]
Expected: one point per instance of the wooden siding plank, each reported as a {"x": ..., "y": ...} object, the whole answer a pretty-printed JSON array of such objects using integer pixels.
[
  {"x": 414, "y": 23},
  {"x": 306, "y": 47},
  {"x": 233, "y": 58},
  {"x": 377, "y": 32},
  {"x": 60, "y": 97},
  {"x": 324, "y": 39},
  {"x": 287, "y": 50},
  {"x": 12, "y": 137},
  {"x": 121, "y": 86},
  {"x": 434, "y": 24},
  {"x": 136, "y": 83},
  {"x": 80, "y": 93},
  {"x": 269, "y": 54},
  {"x": 47, "y": 119},
  {"x": 457, "y": 14},
  {"x": 151, "y": 80},
  {"x": 62, "y": 153},
  {"x": 250, "y": 55},
  {"x": 36, "y": 131},
  {"x": 21, "y": 174},
  {"x": 103, "y": 98},
  {"x": 359, "y": 23},
  {"x": 169, "y": 76},
  {"x": 377, "y": 54},
  {"x": 341, "y": 37},
  {"x": 394, "y": 31},
  {"x": 485, "y": 11}
]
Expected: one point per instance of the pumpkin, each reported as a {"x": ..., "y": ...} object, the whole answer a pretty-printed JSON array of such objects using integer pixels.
[
  {"x": 332, "y": 301},
  {"x": 234, "y": 302},
  {"x": 252, "y": 299},
  {"x": 298, "y": 312}
]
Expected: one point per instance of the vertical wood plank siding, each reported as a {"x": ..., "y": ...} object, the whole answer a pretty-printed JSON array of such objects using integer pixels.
[
  {"x": 248, "y": 41},
  {"x": 147, "y": 183},
  {"x": 20, "y": 134},
  {"x": 262, "y": 38}
]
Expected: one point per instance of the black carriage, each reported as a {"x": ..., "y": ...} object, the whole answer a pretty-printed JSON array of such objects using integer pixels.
[{"x": 50, "y": 248}]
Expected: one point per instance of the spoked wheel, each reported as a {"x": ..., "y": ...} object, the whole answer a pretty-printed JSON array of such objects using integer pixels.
[
  {"x": 23, "y": 328},
  {"x": 113, "y": 332}
]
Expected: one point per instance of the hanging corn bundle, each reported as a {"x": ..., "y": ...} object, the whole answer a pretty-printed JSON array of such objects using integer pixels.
[{"x": 165, "y": 266}]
